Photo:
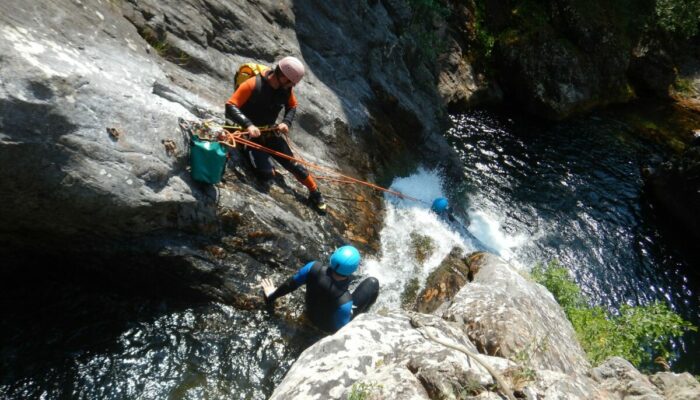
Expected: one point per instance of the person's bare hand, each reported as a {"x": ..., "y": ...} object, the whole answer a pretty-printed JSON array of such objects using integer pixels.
[
  {"x": 268, "y": 287},
  {"x": 253, "y": 131},
  {"x": 283, "y": 128}
]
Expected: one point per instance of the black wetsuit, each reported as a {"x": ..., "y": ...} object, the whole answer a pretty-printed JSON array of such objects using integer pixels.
[
  {"x": 329, "y": 304},
  {"x": 262, "y": 106}
]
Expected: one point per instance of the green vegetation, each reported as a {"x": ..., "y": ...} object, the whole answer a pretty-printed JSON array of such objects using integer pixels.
[
  {"x": 362, "y": 391},
  {"x": 159, "y": 43},
  {"x": 684, "y": 86},
  {"x": 525, "y": 372},
  {"x": 410, "y": 293},
  {"x": 640, "y": 334},
  {"x": 681, "y": 17},
  {"x": 426, "y": 18},
  {"x": 422, "y": 245},
  {"x": 627, "y": 19},
  {"x": 470, "y": 388}
]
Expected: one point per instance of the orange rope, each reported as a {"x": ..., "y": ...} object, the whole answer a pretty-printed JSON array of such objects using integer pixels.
[{"x": 237, "y": 137}]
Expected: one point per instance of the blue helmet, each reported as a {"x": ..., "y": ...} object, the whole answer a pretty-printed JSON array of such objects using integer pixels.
[
  {"x": 345, "y": 260},
  {"x": 439, "y": 205}
]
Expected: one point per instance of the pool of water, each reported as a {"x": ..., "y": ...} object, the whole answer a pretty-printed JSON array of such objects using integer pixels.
[
  {"x": 92, "y": 341},
  {"x": 573, "y": 191},
  {"x": 535, "y": 192}
]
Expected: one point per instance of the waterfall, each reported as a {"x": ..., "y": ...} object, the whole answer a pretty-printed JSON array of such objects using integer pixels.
[{"x": 406, "y": 220}]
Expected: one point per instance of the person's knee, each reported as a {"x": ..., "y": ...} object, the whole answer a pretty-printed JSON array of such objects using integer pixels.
[
  {"x": 372, "y": 284},
  {"x": 264, "y": 174},
  {"x": 366, "y": 293}
]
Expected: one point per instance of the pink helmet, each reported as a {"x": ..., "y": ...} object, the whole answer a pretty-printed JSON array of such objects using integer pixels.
[{"x": 292, "y": 68}]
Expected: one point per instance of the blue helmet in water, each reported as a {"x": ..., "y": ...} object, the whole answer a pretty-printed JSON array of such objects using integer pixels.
[
  {"x": 345, "y": 260},
  {"x": 439, "y": 205}
]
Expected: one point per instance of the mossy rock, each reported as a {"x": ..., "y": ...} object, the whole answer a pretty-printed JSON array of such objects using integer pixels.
[
  {"x": 444, "y": 283},
  {"x": 422, "y": 245}
]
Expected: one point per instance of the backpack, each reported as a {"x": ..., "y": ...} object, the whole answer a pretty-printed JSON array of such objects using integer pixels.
[{"x": 248, "y": 70}]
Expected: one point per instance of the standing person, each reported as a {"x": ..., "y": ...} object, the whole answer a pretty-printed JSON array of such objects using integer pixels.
[
  {"x": 329, "y": 304},
  {"x": 258, "y": 102}
]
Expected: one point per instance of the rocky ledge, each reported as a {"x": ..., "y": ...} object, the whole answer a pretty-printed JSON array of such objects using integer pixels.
[{"x": 511, "y": 324}]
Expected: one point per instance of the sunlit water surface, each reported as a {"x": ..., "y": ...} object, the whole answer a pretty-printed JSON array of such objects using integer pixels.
[{"x": 571, "y": 192}]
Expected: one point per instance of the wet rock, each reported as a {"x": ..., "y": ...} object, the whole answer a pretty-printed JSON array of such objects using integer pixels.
[
  {"x": 444, "y": 282},
  {"x": 94, "y": 161},
  {"x": 505, "y": 314}
]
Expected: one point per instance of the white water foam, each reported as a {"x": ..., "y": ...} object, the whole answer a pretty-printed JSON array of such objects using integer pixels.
[
  {"x": 488, "y": 229},
  {"x": 396, "y": 264}
]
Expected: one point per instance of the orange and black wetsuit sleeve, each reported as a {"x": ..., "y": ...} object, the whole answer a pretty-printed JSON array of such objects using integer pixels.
[{"x": 237, "y": 100}]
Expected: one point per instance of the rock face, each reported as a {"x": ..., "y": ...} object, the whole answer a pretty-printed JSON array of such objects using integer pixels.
[
  {"x": 585, "y": 64},
  {"x": 444, "y": 282},
  {"x": 676, "y": 386},
  {"x": 619, "y": 376},
  {"x": 373, "y": 347},
  {"x": 94, "y": 162},
  {"x": 675, "y": 186},
  {"x": 393, "y": 356},
  {"x": 505, "y": 314}
]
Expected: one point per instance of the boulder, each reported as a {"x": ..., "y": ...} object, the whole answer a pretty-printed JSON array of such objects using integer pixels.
[
  {"x": 372, "y": 347},
  {"x": 507, "y": 315},
  {"x": 444, "y": 282},
  {"x": 677, "y": 386},
  {"x": 559, "y": 58},
  {"x": 618, "y": 376},
  {"x": 393, "y": 356}
]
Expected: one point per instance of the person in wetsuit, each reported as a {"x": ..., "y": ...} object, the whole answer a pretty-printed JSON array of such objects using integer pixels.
[
  {"x": 329, "y": 303},
  {"x": 258, "y": 102}
]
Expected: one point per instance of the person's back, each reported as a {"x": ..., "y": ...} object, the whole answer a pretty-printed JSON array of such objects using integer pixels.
[{"x": 328, "y": 301}]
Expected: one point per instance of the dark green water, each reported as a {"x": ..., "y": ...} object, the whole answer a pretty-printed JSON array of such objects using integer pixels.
[
  {"x": 67, "y": 339},
  {"x": 574, "y": 191}
]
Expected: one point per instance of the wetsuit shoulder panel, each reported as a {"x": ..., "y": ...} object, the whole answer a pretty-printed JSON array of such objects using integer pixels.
[
  {"x": 342, "y": 315},
  {"x": 302, "y": 275}
]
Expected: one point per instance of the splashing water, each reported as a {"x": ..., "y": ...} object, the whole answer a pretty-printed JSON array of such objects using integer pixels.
[{"x": 406, "y": 220}]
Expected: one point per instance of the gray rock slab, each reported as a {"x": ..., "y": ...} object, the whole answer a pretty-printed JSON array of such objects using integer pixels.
[
  {"x": 330, "y": 368},
  {"x": 677, "y": 386},
  {"x": 618, "y": 376},
  {"x": 508, "y": 315}
]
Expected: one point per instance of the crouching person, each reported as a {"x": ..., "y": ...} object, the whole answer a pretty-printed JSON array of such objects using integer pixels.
[{"x": 329, "y": 303}]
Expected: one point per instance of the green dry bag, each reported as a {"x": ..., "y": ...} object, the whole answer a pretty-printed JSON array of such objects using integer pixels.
[{"x": 208, "y": 160}]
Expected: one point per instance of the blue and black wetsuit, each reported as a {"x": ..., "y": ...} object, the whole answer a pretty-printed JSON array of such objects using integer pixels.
[{"x": 329, "y": 304}]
